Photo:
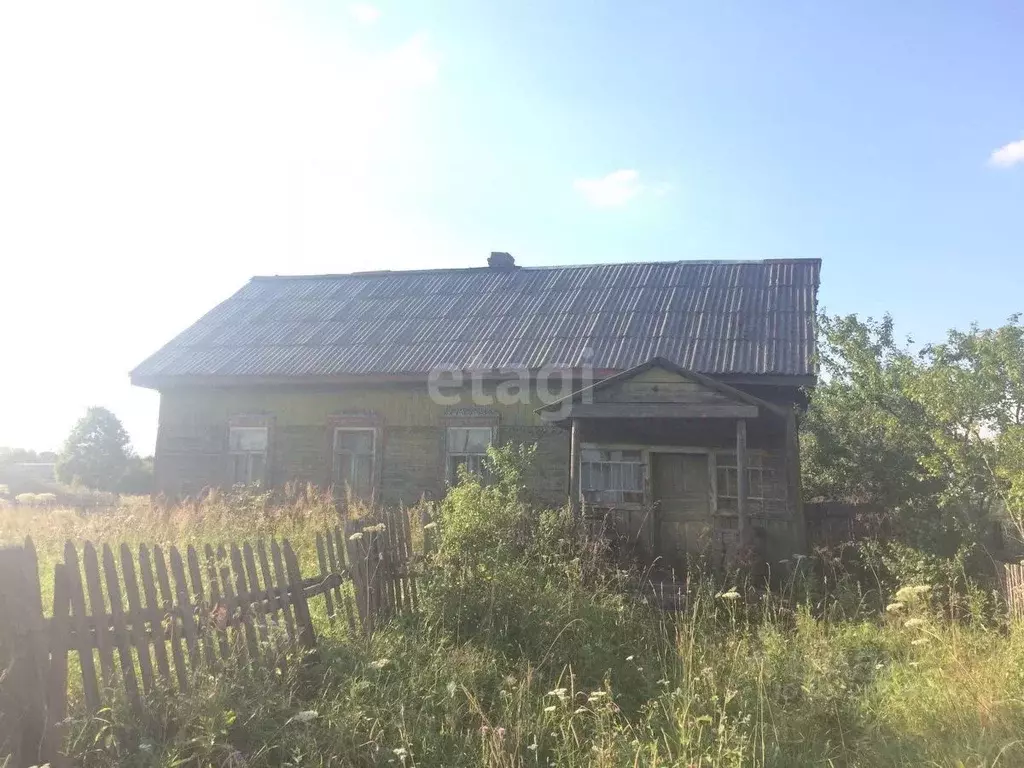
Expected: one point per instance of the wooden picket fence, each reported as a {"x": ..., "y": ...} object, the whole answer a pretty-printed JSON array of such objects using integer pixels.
[
  {"x": 154, "y": 619},
  {"x": 1013, "y": 589}
]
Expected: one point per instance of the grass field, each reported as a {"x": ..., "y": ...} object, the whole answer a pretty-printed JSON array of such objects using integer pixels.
[{"x": 529, "y": 650}]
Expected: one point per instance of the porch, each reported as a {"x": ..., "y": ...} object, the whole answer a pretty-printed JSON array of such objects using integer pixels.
[{"x": 680, "y": 466}]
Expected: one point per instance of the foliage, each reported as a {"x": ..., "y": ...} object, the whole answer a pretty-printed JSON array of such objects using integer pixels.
[
  {"x": 138, "y": 478},
  {"x": 97, "y": 452},
  {"x": 935, "y": 438},
  {"x": 545, "y": 656}
]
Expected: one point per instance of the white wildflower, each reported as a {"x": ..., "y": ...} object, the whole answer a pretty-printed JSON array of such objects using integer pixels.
[
  {"x": 893, "y": 607},
  {"x": 304, "y": 717},
  {"x": 580, "y": 710},
  {"x": 629, "y": 658},
  {"x": 429, "y": 526},
  {"x": 732, "y": 594},
  {"x": 915, "y": 622},
  {"x": 550, "y": 708},
  {"x": 598, "y": 694},
  {"x": 921, "y": 641},
  {"x": 356, "y": 536},
  {"x": 559, "y": 692},
  {"x": 380, "y": 663}
]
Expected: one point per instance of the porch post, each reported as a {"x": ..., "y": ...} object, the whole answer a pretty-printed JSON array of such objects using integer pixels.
[
  {"x": 741, "y": 481},
  {"x": 574, "y": 467}
]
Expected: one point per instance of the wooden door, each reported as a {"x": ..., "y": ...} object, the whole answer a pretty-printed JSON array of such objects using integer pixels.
[{"x": 682, "y": 492}]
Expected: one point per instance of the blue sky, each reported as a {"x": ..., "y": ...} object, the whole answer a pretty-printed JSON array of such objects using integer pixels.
[{"x": 154, "y": 158}]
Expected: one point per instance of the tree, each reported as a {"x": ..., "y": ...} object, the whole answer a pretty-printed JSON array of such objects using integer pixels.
[
  {"x": 935, "y": 438},
  {"x": 96, "y": 453}
]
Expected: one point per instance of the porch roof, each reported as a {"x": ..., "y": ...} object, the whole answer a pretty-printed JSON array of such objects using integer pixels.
[{"x": 704, "y": 398}]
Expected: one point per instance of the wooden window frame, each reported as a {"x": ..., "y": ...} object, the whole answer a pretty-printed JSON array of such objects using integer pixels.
[
  {"x": 641, "y": 466},
  {"x": 356, "y": 420},
  {"x": 371, "y": 492},
  {"x": 451, "y": 471},
  {"x": 249, "y": 422}
]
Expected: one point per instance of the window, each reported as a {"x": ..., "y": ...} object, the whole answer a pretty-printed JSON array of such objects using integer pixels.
[
  {"x": 467, "y": 447},
  {"x": 248, "y": 449},
  {"x": 353, "y": 460},
  {"x": 728, "y": 485},
  {"x": 611, "y": 476}
]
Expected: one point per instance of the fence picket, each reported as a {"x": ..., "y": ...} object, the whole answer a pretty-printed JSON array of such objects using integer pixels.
[
  {"x": 273, "y": 599},
  {"x": 83, "y": 640},
  {"x": 98, "y": 609},
  {"x": 154, "y": 614},
  {"x": 220, "y": 614},
  {"x": 233, "y": 619},
  {"x": 244, "y": 606},
  {"x": 332, "y": 562},
  {"x": 57, "y": 676},
  {"x": 121, "y": 637},
  {"x": 304, "y": 625},
  {"x": 321, "y": 555},
  {"x": 202, "y": 607},
  {"x": 257, "y": 596},
  {"x": 282, "y": 587},
  {"x": 137, "y": 618},
  {"x": 175, "y": 625},
  {"x": 183, "y": 607},
  {"x": 408, "y": 560},
  {"x": 339, "y": 541}
]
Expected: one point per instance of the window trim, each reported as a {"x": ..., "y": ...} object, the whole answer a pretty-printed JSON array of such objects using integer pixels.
[
  {"x": 249, "y": 424},
  {"x": 642, "y": 463},
  {"x": 450, "y": 472},
  {"x": 373, "y": 430}
]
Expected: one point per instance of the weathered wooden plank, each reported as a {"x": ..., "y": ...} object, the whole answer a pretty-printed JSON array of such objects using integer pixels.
[
  {"x": 321, "y": 554},
  {"x": 203, "y": 609},
  {"x": 662, "y": 410},
  {"x": 303, "y": 622},
  {"x": 357, "y": 568},
  {"x": 163, "y": 579},
  {"x": 245, "y": 609},
  {"x": 273, "y": 598},
  {"x": 98, "y": 609},
  {"x": 137, "y": 618},
  {"x": 183, "y": 607},
  {"x": 332, "y": 560},
  {"x": 339, "y": 542},
  {"x": 256, "y": 591},
  {"x": 121, "y": 636},
  {"x": 219, "y": 612},
  {"x": 408, "y": 559},
  {"x": 90, "y": 687},
  {"x": 282, "y": 589},
  {"x": 273, "y": 601},
  {"x": 233, "y": 608},
  {"x": 155, "y": 615},
  {"x": 57, "y": 675},
  {"x": 741, "y": 483}
]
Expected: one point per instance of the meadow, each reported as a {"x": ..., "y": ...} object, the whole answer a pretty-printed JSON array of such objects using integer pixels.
[{"x": 531, "y": 648}]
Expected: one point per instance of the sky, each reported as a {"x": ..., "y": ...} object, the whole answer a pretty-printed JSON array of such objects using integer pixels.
[{"x": 155, "y": 156}]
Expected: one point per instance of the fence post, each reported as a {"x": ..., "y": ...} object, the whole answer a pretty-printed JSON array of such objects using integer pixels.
[{"x": 23, "y": 656}]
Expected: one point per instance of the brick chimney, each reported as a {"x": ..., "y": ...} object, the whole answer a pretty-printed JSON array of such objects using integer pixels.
[{"x": 501, "y": 260}]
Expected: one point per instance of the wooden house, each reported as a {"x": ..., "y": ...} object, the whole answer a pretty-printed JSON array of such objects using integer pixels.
[{"x": 665, "y": 394}]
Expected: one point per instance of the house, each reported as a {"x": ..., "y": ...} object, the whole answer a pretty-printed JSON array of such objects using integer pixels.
[{"x": 666, "y": 392}]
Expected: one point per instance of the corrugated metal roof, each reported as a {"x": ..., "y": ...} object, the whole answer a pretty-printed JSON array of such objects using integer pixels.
[{"x": 752, "y": 317}]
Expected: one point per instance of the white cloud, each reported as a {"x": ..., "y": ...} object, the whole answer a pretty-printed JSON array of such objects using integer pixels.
[
  {"x": 1008, "y": 155},
  {"x": 611, "y": 191},
  {"x": 364, "y": 13}
]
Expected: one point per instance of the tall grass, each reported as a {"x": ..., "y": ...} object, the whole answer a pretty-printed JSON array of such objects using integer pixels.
[{"x": 530, "y": 650}]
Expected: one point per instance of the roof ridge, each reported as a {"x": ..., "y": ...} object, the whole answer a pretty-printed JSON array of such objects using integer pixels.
[{"x": 541, "y": 268}]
